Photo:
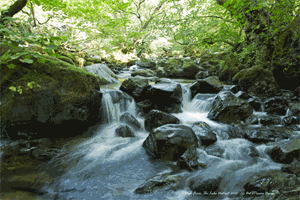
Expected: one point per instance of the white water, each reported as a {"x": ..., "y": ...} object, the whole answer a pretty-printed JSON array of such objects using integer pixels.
[{"x": 109, "y": 167}]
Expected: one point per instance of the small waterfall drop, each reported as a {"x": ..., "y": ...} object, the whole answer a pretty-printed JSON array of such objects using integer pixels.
[
  {"x": 112, "y": 111},
  {"x": 186, "y": 95}
]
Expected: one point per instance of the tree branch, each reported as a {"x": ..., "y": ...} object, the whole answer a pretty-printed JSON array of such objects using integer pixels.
[{"x": 12, "y": 10}]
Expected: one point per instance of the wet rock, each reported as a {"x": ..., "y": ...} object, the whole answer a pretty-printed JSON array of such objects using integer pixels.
[
  {"x": 297, "y": 92},
  {"x": 189, "y": 160},
  {"x": 163, "y": 80},
  {"x": 124, "y": 131},
  {"x": 265, "y": 134},
  {"x": 144, "y": 63},
  {"x": 233, "y": 89},
  {"x": 208, "y": 85},
  {"x": 106, "y": 75},
  {"x": 44, "y": 154},
  {"x": 242, "y": 95},
  {"x": 287, "y": 121},
  {"x": 270, "y": 120},
  {"x": 260, "y": 185},
  {"x": 292, "y": 168},
  {"x": 135, "y": 88},
  {"x": 156, "y": 118},
  {"x": 130, "y": 120},
  {"x": 206, "y": 136},
  {"x": 257, "y": 81},
  {"x": 145, "y": 106},
  {"x": 167, "y": 97},
  {"x": 285, "y": 151},
  {"x": 202, "y": 75},
  {"x": 255, "y": 104},
  {"x": 252, "y": 120},
  {"x": 144, "y": 73},
  {"x": 163, "y": 182},
  {"x": 276, "y": 105},
  {"x": 228, "y": 108},
  {"x": 234, "y": 131},
  {"x": 204, "y": 184},
  {"x": 170, "y": 141}
]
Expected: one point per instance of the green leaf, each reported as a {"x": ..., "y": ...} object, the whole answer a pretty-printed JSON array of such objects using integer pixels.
[
  {"x": 11, "y": 66},
  {"x": 26, "y": 60},
  {"x": 30, "y": 84},
  {"x": 12, "y": 88},
  {"x": 41, "y": 60}
]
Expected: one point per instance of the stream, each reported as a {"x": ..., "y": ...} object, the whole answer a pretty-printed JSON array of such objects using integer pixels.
[{"x": 104, "y": 166}]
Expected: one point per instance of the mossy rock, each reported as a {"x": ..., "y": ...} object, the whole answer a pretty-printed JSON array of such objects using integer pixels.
[
  {"x": 60, "y": 84},
  {"x": 258, "y": 81}
]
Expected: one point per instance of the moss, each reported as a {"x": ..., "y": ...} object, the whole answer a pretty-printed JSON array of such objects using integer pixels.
[
  {"x": 68, "y": 81},
  {"x": 67, "y": 59}
]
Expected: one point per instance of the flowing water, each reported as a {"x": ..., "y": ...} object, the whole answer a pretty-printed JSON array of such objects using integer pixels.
[{"x": 108, "y": 167}]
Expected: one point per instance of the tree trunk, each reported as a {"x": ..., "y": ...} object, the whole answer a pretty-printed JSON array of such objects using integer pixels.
[{"x": 12, "y": 10}]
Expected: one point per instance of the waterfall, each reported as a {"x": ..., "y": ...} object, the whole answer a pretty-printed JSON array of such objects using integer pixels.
[
  {"x": 186, "y": 96},
  {"x": 114, "y": 104}
]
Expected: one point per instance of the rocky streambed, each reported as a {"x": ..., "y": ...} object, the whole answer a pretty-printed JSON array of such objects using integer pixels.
[{"x": 167, "y": 140}]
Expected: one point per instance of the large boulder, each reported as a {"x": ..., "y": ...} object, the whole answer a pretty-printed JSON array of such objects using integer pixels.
[
  {"x": 166, "y": 96},
  {"x": 105, "y": 75},
  {"x": 208, "y": 85},
  {"x": 202, "y": 74},
  {"x": 170, "y": 141},
  {"x": 257, "y": 81},
  {"x": 130, "y": 120},
  {"x": 206, "y": 136},
  {"x": 285, "y": 151},
  {"x": 135, "y": 88},
  {"x": 156, "y": 118},
  {"x": 227, "y": 107},
  {"x": 276, "y": 105},
  {"x": 62, "y": 97}
]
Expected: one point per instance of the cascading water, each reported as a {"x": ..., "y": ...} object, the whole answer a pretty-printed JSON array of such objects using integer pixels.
[{"x": 109, "y": 167}]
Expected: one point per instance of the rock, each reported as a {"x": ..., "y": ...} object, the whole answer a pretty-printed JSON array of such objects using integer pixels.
[
  {"x": 287, "y": 121},
  {"x": 297, "y": 92},
  {"x": 276, "y": 105},
  {"x": 124, "y": 131},
  {"x": 292, "y": 168},
  {"x": 206, "y": 136},
  {"x": 242, "y": 95},
  {"x": 265, "y": 134},
  {"x": 190, "y": 69},
  {"x": 189, "y": 160},
  {"x": 257, "y": 81},
  {"x": 285, "y": 151},
  {"x": 106, "y": 75},
  {"x": 157, "y": 118},
  {"x": 204, "y": 184},
  {"x": 170, "y": 141},
  {"x": 256, "y": 104},
  {"x": 202, "y": 75},
  {"x": 235, "y": 131},
  {"x": 228, "y": 108},
  {"x": 270, "y": 120},
  {"x": 144, "y": 63},
  {"x": 144, "y": 73},
  {"x": 145, "y": 107},
  {"x": 44, "y": 154},
  {"x": 163, "y": 80},
  {"x": 166, "y": 96},
  {"x": 174, "y": 73},
  {"x": 233, "y": 88},
  {"x": 79, "y": 61},
  {"x": 130, "y": 120},
  {"x": 208, "y": 85},
  {"x": 135, "y": 88},
  {"x": 163, "y": 182},
  {"x": 267, "y": 183}
]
